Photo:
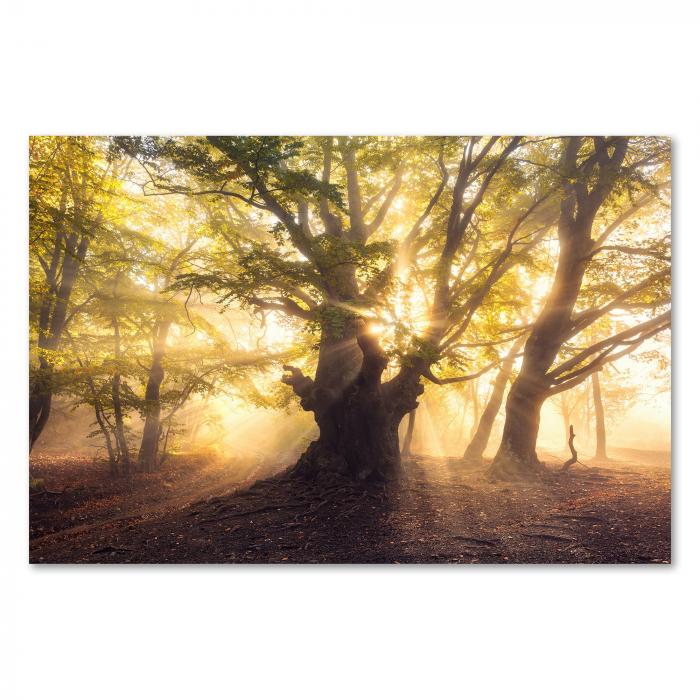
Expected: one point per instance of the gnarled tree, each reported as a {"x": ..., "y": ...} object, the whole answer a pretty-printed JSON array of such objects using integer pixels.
[{"x": 333, "y": 231}]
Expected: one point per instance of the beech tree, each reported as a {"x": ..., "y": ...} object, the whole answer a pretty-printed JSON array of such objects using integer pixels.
[
  {"x": 71, "y": 186},
  {"x": 309, "y": 229},
  {"x": 378, "y": 263},
  {"x": 601, "y": 445},
  {"x": 165, "y": 313},
  {"x": 606, "y": 183},
  {"x": 480, "y": 439}
]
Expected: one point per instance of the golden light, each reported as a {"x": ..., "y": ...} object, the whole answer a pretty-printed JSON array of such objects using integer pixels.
[{"x": 376, "y": 328}]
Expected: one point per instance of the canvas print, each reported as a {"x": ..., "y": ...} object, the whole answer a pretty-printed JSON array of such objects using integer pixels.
[{"x": 350, "y": 349}]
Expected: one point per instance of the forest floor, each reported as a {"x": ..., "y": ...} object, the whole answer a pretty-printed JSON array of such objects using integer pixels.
[{"x": 193, "y": 511}]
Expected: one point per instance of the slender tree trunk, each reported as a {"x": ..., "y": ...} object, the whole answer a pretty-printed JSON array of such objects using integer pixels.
[
  {"x": 148, "y": 452},
  {"x": 108, "y": 438},
  {"x": 587, "y": 425},
  {"x": 119, "y": 433},
  {"x": 473, "y": 386},
  {"x": 574, "y": 455},
  {"x": 565, "y": 414},
  {"x": 52, "y": 322},
  {"x": 600, "y": 435},
  {"x": 103, "y": 425},
  {"x": 40, "y": 396},
  {"x": 408, "y": 438},
  {"x": 477, "y": 445}
]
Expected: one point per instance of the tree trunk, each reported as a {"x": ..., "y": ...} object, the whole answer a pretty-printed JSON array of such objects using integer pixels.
[
  {"x": 565, "y": 414},
  {"x": 474, "y": 391},
  {"x": 52, "y": 322},
  {"x": 108, "y": 439},
  {"x": 517, "y": 456},
  {"x": 40, "y": 396},
  {"x": 358, "y": 416},
  {"x": 148, "y": 452},
  {"x": 103, "y": 424},
  {"x": 408, "y": 438},
  {"x": 119, "y": 433},
  {"x": 600, "y": 436},
  {"x": 477, "y": 445}
]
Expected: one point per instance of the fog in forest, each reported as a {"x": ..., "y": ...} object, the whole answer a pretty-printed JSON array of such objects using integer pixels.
[{"x": 378, "y": 335}]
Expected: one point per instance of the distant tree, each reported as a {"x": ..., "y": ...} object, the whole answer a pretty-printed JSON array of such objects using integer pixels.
[
  {"x": 480, "y": 438},
  {"x": 165, "y": 313},
  {"x": 570, "y": 405},
  {"x": 601, "y": 446}
]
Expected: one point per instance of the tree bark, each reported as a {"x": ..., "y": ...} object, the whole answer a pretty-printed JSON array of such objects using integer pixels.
[
  {"x": 408, "y": 438},
  {"x": 517, "y": 455},
  {"x": 477, "y": 445},
  {"x": 358, "y": 416},
  {"x": 148, "y": 452},
  {"x": 600, "y": 435},
  {"x": 40, "y": 396},
  {"x": 119, "y": 432},
  {"x": 566, "y": 415},
  {"x": 473, "y": 386},
  {"x": 52, "y": 322},
  {"x": 103, "y": 425}
]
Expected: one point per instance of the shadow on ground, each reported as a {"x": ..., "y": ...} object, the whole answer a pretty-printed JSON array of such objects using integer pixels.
[{"x": 441, "y": 511}]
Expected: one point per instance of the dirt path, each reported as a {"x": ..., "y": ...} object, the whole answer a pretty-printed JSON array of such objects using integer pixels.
[{"x": 440, "y": 512}]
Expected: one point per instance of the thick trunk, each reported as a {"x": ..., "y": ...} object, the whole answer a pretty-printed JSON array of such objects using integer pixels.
[
  {"x": 361, "y": 441},
  {"x": 517, "y": 455},
  {"x": 601, "y": 451},
  {"x": 477, "y": 445},
  {"x": 358, "y": 438},
  {"x": 408, "y": 438},
  {"x": 358, "y": 417},
  {"x": 529, "y": 391},
  {"x": 148, "y": 452}
]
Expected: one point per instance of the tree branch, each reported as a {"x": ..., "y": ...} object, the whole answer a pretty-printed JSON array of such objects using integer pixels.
[
  {"x": 386, "y": 204},
  {"x": 428, "y": 374},
  {"x": 631, "y": 336}
]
